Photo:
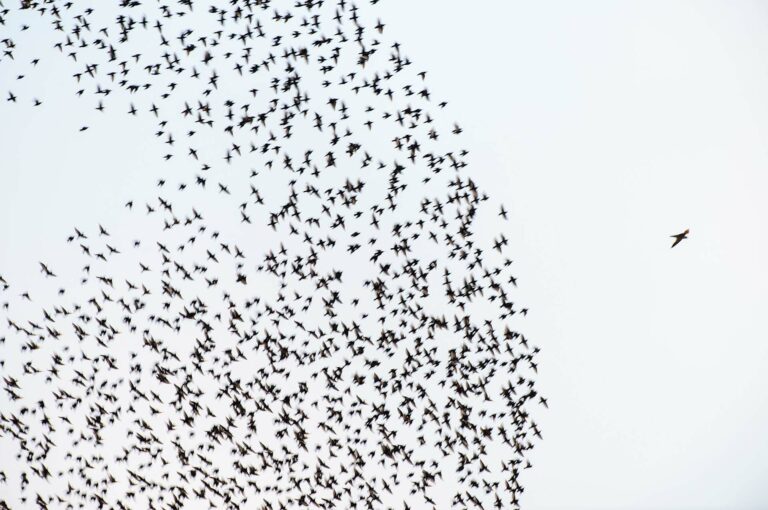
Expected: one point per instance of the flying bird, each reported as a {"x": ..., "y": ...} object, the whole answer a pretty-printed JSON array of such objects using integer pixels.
[{"x": 679, "y": 237}]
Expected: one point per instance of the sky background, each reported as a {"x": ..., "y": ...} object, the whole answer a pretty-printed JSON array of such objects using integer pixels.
[{"x": 605, "y": 127}]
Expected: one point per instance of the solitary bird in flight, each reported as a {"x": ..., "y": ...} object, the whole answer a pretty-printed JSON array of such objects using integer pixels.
[{"x": 679, "y": 237}]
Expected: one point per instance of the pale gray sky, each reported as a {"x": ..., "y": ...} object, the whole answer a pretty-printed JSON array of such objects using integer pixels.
[{"x": 606, "y": 127}]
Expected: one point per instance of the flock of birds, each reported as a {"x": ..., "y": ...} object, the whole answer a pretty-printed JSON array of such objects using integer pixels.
[{"x": 318, "y": 313}]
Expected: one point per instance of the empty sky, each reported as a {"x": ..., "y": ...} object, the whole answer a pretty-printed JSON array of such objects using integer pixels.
[{"x": 607, "y": 127}]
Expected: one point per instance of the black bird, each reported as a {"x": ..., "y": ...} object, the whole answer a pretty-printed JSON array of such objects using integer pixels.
[{"x": 679, "y": 237}]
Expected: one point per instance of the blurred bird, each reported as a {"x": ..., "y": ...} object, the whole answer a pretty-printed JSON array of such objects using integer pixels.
[{"x": 679, "y": 237}]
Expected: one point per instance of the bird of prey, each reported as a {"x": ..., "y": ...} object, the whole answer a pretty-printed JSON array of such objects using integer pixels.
[{"x": 679, "y": 237}]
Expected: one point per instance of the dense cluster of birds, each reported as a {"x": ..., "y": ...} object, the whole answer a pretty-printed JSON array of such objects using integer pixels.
[{"x": 318, "y": 314}]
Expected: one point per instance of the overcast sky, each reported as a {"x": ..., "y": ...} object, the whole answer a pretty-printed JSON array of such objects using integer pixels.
[{"x": 607, "y": 127}]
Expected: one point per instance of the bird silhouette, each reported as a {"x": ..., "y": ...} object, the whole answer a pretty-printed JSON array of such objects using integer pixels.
[{"x": 679, "y": 237}]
